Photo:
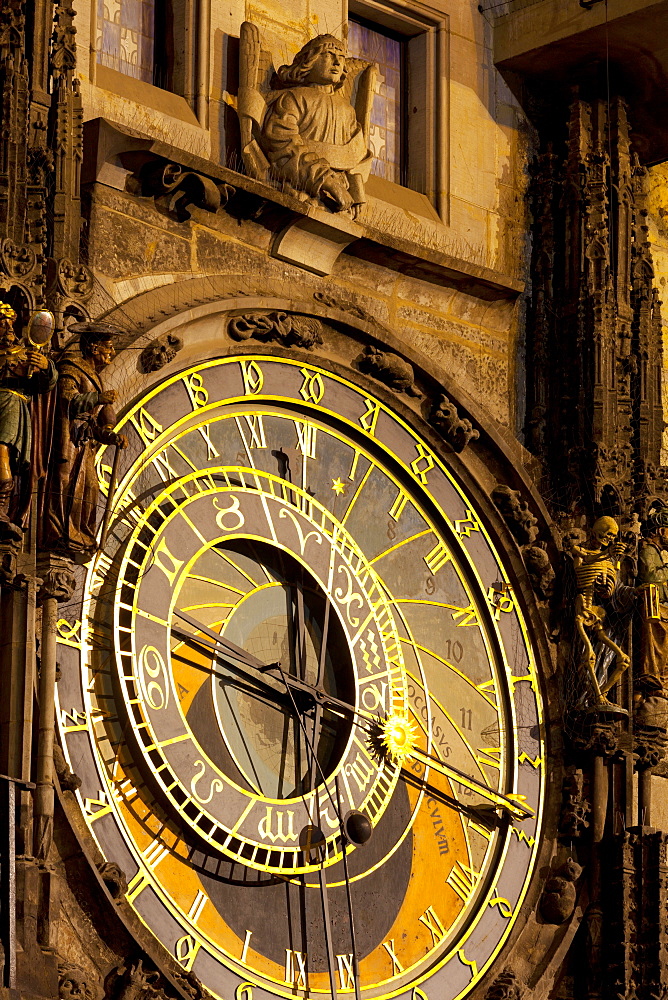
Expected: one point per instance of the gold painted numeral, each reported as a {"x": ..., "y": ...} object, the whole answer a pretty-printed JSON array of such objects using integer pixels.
[
  {"x": 472, "y": 964},
  {"x": 271, "y": 827},
  {"x": 296, "y": 968},
  {"x": 524, "y": 837},
  {"x": 312, "y": 389},
  {"x": 306, "y": 437},
  {"x": 196, "y": 391},
  {"x": 396, "y": 964},
  {"x": 501, "y": 600},
  {"x": 198, "y": 904},
  {"x": 397, "y": 507},
  {"x": 96, "y": 808},
  {"x": 244, "y": 991},
  {"x": 255, "y": 424},
  {"x": 78, "y": 720},
  {"x": 346, "y": 972},
  {"x": 489, "y": 756},
  {"x": 361, "y": 771},
  {"x": 463, "y": 880},
  {"x": 69, "y": 633},
  {"x": 369, "y": 418},
  {"x": 433, "y": 923},
  {"x": 437, "y": 558},
  {"x": 253, "y": 377},
  {"x": 503, "y": 905},
  {"x": 185, "y": 951},
  {"x": 353, "y": 467},
  {"x": 465, "y": 525},
  {"x": 244, "y": 950},
  {"x": 467, "y": 616},
  {"x": 480, "y": 829},
  {"x": 420, "y": 471},
  {"x": 164, "y": 560},
  {"x": 211, "y": 450},
  {"x": 164, "y": 467},
  {"x": 146, "y": 425}
]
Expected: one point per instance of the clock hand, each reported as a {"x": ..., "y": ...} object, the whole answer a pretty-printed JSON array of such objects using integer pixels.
[
  {"x": 512, "y": 805},
  {"x": 250, "y": 663},
  {"x": 259, "y": 688},
  {"x": 397, "y": 742},
  {"x": 346, "y": 875}
]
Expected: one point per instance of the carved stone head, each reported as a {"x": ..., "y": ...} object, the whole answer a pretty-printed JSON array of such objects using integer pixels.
[
  {"x": 321, "y": 61},
  {"x": 96, "y": 341},
  {"x": 75, "y": 984},
  {"x": 7, "y": 319}
]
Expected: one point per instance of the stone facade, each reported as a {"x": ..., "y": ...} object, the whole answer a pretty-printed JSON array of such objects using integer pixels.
[{"x": 508, "y": 304}]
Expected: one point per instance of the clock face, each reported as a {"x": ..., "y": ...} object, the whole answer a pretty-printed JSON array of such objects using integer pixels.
[{"x": 301, "y": 694}]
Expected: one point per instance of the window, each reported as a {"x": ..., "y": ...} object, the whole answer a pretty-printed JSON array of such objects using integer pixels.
[
  {"x": 126, "y": 37},
  {"x": 138, "y": 39},
  {"x": 408, "y": 135},
  {"x": 388, "y": 112}
]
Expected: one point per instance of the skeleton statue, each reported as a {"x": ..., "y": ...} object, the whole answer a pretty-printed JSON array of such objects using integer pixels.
[
  {"x": 299, "y": 130},
  {"x": 596, "y": 572}
]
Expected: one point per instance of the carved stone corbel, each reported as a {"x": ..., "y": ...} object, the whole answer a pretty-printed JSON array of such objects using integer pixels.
[
  {"x": 389, "y": 369},
  {"x": 159, "y": 353},
  {"x": 69, "y": 781},
  {"x": 576, "y": 808},
  {"x": 457, "y": 431},
  {"x": 175, "y": 189},
  {"x": 505, "y": 987},
  {"x": 557, "y": 902},
  {"x": 75, "y": 984},
  {"x": 114, "y": 878},
  {"x": 280, "y": 327}
]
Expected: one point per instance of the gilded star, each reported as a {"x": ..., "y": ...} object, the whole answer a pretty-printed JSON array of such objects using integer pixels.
[{"x": 338, "y": 486}]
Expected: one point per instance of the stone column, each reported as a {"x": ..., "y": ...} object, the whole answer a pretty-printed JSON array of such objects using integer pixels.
[{"x": 57, "y": 585}]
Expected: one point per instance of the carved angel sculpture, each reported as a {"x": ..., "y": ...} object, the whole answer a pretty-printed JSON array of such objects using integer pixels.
[{"x": 299, "y": 130}]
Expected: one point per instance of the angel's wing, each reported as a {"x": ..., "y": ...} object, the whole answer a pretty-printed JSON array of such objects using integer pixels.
[
  {"x": 251, "y": 104},
  {"x": 359, "y": 89}
]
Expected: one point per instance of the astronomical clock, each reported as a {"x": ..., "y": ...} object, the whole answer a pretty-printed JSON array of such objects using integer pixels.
[{"x": 301, "y": 694}]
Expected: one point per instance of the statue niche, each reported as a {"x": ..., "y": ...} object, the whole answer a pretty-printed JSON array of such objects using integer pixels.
[{"x": 299, "y": 130}]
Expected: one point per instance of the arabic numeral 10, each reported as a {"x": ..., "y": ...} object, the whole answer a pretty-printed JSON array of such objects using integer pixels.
[{"x": 453, "y": 650}]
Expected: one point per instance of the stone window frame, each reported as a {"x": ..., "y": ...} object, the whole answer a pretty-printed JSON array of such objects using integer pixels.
[
  {"x": 190, "y": 82},
  {"x": 426, "y": 36}
]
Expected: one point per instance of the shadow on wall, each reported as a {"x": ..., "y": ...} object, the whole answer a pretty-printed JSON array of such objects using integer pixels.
[{"x": 224, "y": 124}]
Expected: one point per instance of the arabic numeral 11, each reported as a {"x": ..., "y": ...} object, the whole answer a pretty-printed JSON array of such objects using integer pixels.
[{"x": 466, "y": 718}]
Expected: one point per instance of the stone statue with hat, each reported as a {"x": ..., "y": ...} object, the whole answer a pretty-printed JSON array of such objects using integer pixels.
[{"x": 85, "y": 419}]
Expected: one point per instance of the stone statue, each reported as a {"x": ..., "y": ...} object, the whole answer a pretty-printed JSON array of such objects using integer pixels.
[
  {"x": 596, "y": 572},
  {"x": 302, "y": 133},
  {"x": 652, "y": 581},
  {"x": 84, "y": 420},
  {"x": 24, "y": 372}
]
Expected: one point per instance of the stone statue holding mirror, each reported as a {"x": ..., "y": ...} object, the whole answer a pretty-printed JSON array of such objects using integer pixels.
[{"x": 25, "y": 372}]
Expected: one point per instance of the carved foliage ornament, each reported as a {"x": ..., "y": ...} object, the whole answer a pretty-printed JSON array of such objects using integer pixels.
[{"x": 301, "y": 133}]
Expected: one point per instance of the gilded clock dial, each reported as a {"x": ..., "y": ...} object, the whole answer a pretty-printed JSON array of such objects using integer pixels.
[{"x": 301, "y": 630}]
